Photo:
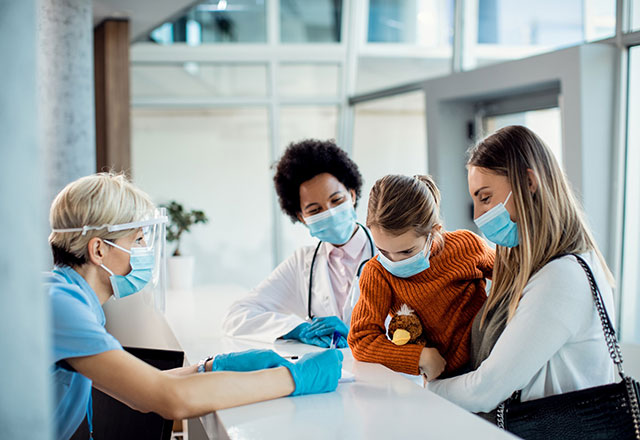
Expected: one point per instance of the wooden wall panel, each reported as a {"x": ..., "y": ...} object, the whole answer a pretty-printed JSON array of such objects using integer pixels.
[{"x": 113, "y": 126}]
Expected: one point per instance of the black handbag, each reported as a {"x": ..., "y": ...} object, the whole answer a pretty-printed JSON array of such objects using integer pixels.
[{"x": 604, "y": 412}]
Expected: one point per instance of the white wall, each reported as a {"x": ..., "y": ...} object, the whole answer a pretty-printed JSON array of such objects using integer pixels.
[{"x": 216, "y": 160}]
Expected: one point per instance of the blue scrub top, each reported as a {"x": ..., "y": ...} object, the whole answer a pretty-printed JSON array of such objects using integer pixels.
[{"x": 78, "y": 330}]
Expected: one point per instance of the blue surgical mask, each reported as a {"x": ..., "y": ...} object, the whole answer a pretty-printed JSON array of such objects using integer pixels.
[
  {"x": 334, "y": 225},
  {"x": 410, "y": 266},
  {"x": 497, "y": 226},
  {"x": 142, "y": 261}
]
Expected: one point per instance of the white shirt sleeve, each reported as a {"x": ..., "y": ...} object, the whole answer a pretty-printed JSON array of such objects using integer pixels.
[
  {"x": 555, "y": 305},
  {"x": 274, "y": 307}
]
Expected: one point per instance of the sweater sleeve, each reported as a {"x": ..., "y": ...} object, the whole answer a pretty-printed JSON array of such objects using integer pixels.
[
  {"x": 485, "y": 255},
  {"x": 553, "y": 308},
  {"x": 367, "y": 337}
]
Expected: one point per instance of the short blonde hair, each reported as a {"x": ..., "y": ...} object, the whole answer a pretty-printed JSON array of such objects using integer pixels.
[{"x": 95, "y": 200}]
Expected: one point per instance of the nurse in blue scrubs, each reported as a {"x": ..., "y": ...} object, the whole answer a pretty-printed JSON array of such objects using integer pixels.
[{"x": 104, "y": 237}]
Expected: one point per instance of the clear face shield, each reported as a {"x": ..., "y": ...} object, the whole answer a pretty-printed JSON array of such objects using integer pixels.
[
  {"x": 152, "y": 249},
  {"x": 154, "y": 229}
]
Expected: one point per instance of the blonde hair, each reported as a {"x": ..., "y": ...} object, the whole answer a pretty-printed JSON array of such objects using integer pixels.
[
  {"x": 95, "y": 200},
  {"x": 399, "y": 203},
  {"x": 550, "y": 220}
]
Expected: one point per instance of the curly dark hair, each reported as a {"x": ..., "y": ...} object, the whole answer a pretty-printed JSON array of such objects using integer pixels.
[{"x": 304, "y": 160}]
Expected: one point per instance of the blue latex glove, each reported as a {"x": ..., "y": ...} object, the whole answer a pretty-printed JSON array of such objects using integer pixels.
[
  {"x": 317, "y": 372},
  {"x": 300, "y": 334},
  {"x": 326, "y": 326},
  {"x": 249, "y": 360}
]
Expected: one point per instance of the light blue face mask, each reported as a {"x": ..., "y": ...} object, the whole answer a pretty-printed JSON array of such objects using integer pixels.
[
  {"x": 334, "y": 225},
  {"x": 497, "y": 226},
  {"x": 410, "y": 266},
  {"x": 142, "y": 262}
]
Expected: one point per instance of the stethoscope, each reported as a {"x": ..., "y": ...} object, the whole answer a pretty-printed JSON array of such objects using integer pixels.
[{"x": 313, "y": 260}]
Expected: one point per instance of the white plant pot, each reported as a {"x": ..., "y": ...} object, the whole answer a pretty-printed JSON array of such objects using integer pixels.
[{"x": 181, "y": 272}]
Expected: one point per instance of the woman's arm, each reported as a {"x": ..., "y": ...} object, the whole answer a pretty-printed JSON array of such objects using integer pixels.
[
  {"x": 147, "y": 389},
  {"x": 367, "y": 337},
  {"x": 554, "y": 306},
  {"x": 273, "y": 308}
]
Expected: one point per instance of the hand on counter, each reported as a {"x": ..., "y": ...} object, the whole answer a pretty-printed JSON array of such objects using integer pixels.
[
  {"x": 431, "y": 363},
  {"x": 317, "y": 372},
  {"x": 319, "y": 332}
]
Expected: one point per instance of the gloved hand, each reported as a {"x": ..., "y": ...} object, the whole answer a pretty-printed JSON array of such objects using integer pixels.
[
  {"x": 300, "y": 333},
  {"x": 326, "y": 326},
  {"x": 317, "y": 372},
  {"x": 249, "y": 360}
]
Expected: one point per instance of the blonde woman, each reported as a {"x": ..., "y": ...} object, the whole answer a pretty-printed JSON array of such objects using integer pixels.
[
  {"x": 101, "y": 248},
  {"x": 539, "y": 331}
]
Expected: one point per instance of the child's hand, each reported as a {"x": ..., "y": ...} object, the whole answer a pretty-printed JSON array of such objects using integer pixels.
[{"x": 431, "y": 363}]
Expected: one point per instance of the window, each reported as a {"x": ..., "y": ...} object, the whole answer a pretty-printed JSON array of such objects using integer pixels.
[
  {"x": 508, "y": 30},
  {"x": 216, "y": 21},
  {"x": 545, "y": 123},
  {"x": 635, "y": 15},
  {"x": 310, "y": 21},
  {"x": 389, "y": 137},
  {"x": 407, "y": 40},
  {"x": 420, "y": 22},
  {"x": 630, "y": 284},
  {"x": 197, "y": 80},
  {"x": 308, "y": 80}
]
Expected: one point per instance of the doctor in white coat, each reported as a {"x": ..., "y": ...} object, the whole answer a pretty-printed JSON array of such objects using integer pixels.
[{"x": 310, "y": 296}]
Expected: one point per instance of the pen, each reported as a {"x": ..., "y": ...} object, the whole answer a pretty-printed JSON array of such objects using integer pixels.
[
  {"x": 293, "y": 358},
  {"x": 334, "y": 340}
]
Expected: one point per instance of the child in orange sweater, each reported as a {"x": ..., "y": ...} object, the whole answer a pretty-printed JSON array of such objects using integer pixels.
[{"x": 440, "y": 275}]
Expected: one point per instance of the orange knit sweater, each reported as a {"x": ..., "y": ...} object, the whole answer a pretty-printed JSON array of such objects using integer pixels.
[{"x": 446, "y": 298}]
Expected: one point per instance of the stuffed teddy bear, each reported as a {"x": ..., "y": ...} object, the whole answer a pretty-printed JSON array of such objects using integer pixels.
[{"x": 405, "y": 327}]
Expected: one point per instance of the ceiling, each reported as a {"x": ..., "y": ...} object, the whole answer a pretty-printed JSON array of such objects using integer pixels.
[{"x": 143, "y": 15}]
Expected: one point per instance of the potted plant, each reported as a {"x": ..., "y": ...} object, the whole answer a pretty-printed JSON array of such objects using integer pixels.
[{"x": 180, "y": 266}]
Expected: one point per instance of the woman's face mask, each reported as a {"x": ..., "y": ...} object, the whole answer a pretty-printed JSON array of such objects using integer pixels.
[
  {"x": 335, "y": 225},
  {"x": 142, "y": 261},
  {"x": 326, "y": 208},
  {"x": 497, "y": 226},
  {"x": 495, "y": 223}
]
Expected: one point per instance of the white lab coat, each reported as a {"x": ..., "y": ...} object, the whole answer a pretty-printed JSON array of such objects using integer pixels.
[{"x": 279, "y": 303}]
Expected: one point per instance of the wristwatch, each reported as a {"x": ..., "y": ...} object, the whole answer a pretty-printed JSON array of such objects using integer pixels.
[{"x": 202, "y": 365}]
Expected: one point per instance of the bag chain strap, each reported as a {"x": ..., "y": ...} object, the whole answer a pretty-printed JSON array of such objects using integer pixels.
[
  {"x": 614, "y": 346},
  {"x": 614, "y": 352}
]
